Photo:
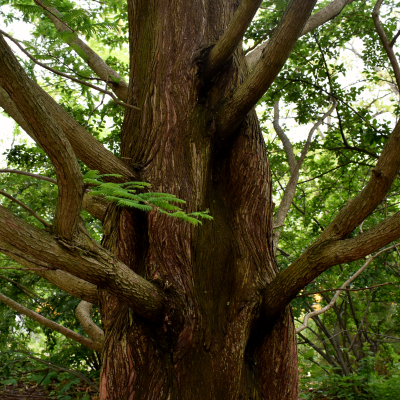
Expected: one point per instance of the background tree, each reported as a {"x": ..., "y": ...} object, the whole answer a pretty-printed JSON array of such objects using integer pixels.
[{"x": 183, "y": 305}]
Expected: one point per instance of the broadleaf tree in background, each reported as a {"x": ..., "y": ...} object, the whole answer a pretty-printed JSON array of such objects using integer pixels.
[{"x": 185, "y": 306}]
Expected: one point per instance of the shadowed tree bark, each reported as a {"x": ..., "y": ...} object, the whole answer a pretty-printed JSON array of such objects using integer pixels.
[{"x": 187, "y": 312}]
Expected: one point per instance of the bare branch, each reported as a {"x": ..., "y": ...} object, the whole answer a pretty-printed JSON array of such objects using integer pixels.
[
  {"x": 274, "y": 56},
  {"x": 95, "y": 62},
  {"x": 290, "y": 189},
  {"x": 231, "y": 38},
  {"x": 322, "y": 255},
  {"x": 329, "y": 12},
  {"x": 94, "y": 205},
  {"x": 64, "y": 75},
  {"x": 28, "y": 98},
  {"x": 287, "y": 146},
  {"x": 48, "y": 323},
  {"x": 347, "y": 290},
  {"x": 385, "y": 42},
  {"x": 23, "y": 288},
  {"x": 85, "y": 146},
  {"x": 85, "y": 259},
  {"x": 58, "y": 368},
  {"x": 16, "y": 171},
  {"x": 11, "y": 109},
  {"x": 63, "y": 280},
  {"x": 25, "y": 207},
  {"x": 92, "y": 330},
  {"x": 395, "y": 37},
  {"x": 339, "y": 291}
]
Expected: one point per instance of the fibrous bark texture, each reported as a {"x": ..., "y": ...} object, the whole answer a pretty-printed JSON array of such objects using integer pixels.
[{"x": 212, "y": 275}]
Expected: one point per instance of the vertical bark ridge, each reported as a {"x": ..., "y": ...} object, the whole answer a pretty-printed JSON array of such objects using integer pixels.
[{"x": 212, "y": 275}]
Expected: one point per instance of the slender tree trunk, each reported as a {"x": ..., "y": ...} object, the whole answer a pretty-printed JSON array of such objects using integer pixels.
[{"x": 213, "y": 342}]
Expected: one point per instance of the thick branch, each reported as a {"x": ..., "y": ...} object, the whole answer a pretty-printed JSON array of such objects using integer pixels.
[
  {"x": 63, "y": 280},
  {"x": 274, "y": 56},
  {"x": 373, "y": 193},
  {"x": 231, "y": 38},
  {"x": 95, "y": 206},
  {"x": 64, "y": 75},
  {"x": 85, "y": 259},
  {"x": 329, "y": 12},
  {"x": 339, "y": 291},
  {"x": 92, "y": 330},
  {"x": 11, "y": 109},
  {"x": 322, "y": 255},
  {"x": 85, "y": 146},
  {"x": 29, "y": 100},
  {"x": 95, "y": 62},
  {"x": 385, "y": 42},
  {"x": 49, "y": 324}
]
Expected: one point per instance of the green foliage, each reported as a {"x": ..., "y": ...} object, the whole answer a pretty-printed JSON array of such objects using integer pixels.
[{"x": 127, "y": 195}]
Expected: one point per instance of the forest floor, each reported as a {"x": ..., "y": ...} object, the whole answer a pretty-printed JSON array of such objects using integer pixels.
[
  {"x": 24, "y": 391},
  {"x": 21, "y": 391}
]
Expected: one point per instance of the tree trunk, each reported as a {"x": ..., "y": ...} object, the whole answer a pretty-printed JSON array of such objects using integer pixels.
[{"x": 213, "y": 342}]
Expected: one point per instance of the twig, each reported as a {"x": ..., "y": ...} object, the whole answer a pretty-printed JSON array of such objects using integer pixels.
[
  {"x": 121, "y": 103},
  {"x": 385, "y": 42},
  {"x": 41, "y": 177},
  {"x": 393, "y": 41},
  {"x": 30, "y": 211},
  {"x": 58, "y": 368},
  {"x": 339, "y": 291},
  {"x": 93, "y": 111},
  {"x": 346, "y": 290}
]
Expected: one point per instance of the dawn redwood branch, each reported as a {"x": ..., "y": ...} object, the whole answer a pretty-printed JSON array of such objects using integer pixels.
[
  {"x": 64, "y": 75},
  {"x": 25, "y": 207},
  {"x": 227, "y": 44},
  {"x": 322, "y": 255},
  {"x": 347, "y": 290},
  {"x": 234, "y": 110},
  {"x": 93, "y": 60},
  {"x": 89, "y": 150},
  {"x": 23, "y": 288},
  {"x": 395, "y": 37},
  {"x": 287, "y": 146},
  {"x": 57, "y": 368},
  {"x": 92, "y": 330},
  {"x": 11, "y": 109},
  {"x": 94, "y": 205},
  {"x": 72, "y": 78},
  {"x": 385, "y": 42},
  {"x": 36, "y": 176},
  {"x": 71, "y": 284},
  {"x": 290, "y": 189},
  {"x": 85, "y": 259},
  {"x": 63, "y": 280},
  {"x": 48, "y": 323},
  {"x": 373, "y": 193},
  {"x": 329, "y": 12},
  {"x": 378, "y": 70},
  {"x": 339, "y": 291},
  {"x": 28, "y": 98}
]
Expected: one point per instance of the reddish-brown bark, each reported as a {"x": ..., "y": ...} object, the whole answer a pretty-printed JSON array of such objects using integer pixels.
[
  {"x": 188, "y": 312},
  {"x": 207, "y": 346}
]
